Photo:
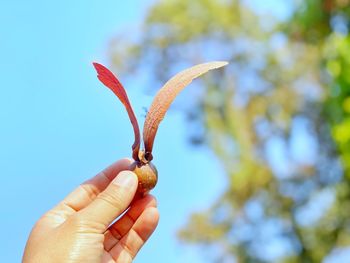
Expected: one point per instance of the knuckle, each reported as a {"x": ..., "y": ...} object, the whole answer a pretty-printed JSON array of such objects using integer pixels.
[
  {"x": 113, "y": 199},
  {"x": 124, "y": 244},
  {"x": 83, "y": 225},
  {"x": 91, "y": 192}
]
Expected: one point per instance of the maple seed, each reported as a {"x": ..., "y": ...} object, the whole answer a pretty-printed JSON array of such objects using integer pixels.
[
  {"x": 146, "y": 172},
  {"x": 147, "y": 175}
]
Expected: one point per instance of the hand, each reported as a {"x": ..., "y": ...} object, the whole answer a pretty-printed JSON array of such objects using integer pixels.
[{"x": 82, "y": 229}]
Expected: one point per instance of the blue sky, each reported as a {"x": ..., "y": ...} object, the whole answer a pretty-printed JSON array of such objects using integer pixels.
[{"x": 59, "y": 126}]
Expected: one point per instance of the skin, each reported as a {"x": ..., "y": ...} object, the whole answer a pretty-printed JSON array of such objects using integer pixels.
[{"x": 82, "y": 228}]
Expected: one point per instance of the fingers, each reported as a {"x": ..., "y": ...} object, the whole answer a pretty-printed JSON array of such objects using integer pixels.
[
  {"x": 87, "y": 192},
  {"x": 126, "y": 249},
  {"x": 112, "y": 202},
  {"x": 116, "y": 231}
]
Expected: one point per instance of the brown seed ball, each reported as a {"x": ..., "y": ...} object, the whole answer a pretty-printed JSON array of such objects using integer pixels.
[{"x": 147, "y": 175}]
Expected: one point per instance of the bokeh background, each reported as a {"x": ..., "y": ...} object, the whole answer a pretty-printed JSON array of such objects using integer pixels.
[{"x": 254, "y": 159}]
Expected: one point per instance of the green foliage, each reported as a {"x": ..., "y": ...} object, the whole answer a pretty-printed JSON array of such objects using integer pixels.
[
  {"x": 337, "y": 63},
  {"x": 278, "y": 82}
]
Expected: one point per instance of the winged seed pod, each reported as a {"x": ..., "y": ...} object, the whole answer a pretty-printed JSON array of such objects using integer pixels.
[{"x": 146, "y": 172}]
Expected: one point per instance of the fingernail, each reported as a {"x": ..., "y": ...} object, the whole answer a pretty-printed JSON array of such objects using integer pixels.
[{"x": 125, "y": 179}]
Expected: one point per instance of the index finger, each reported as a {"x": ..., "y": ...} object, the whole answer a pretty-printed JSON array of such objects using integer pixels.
[{"x": 87, "y": 191}]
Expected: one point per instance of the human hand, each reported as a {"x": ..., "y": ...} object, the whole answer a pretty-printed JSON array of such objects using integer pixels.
[{"x": 81, "y": 228}]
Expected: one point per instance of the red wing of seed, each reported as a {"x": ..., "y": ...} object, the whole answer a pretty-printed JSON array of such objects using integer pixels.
[
  {"x": 166, "y": 96},
  {"x": 110, "y": 81}
]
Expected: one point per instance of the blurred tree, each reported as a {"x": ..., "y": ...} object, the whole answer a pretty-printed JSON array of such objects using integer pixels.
[{"x": 266, "y": 117}]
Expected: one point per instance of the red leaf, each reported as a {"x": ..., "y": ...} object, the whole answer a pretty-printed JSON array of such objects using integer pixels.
[
  {"x": 166, "y": 96},
  {"x": 110, "y": 81}
]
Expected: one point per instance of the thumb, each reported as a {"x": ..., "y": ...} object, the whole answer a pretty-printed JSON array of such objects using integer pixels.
[{"x": 113, "y": 201}]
